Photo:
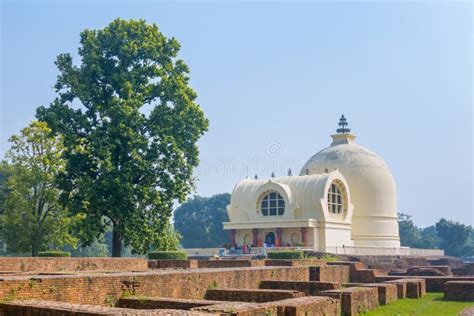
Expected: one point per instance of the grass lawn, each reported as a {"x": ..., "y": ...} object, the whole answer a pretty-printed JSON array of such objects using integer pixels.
[{"x": 431, "y": 304}]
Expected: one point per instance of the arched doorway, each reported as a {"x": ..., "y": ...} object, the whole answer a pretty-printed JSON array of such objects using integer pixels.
[{"x": 270, "y": 239}]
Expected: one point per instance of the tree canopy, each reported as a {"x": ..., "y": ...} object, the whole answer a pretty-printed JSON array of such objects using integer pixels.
[
  {"x": 454, "y": 238},
  {"x": 32, "y": 218},
  {"x": 200, "y": 219},
  {"x": 130, "y": 124}
]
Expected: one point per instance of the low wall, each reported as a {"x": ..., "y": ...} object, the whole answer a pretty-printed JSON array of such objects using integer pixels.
[
  {"x": 172, "y": 264},
  {"x": 307, "y": 287},
  {"x": 388, "y": 263},
  {"x": 47, "y": 308},
  {"x": 383, "y": 251},
  {"x": 235, "y": 263},
  {"x": 28, "y": 264},
  {"x": 467, "y": 270},
  {"x": 410, "y": 288},
  {"x": 338, "y": 274},
  {"x": 354, "y": 299},
  {"x": 201, "y": 251},
  {"x": 251, "y": 296},
  {"x": 289, "y": 307},
  {"x": 387, "y": 292},
  {"x": 358, "y": 272},
  {"x": 162, "y": 303},
  {"x": 459, "y": 291},
  {"x": 433, "y": 283},
  {"x": 104, "y": 289},
  {"x": 309, "y": 305},
  {"x": 204, "y": 264},
  {"x": 295, "y": 263}
]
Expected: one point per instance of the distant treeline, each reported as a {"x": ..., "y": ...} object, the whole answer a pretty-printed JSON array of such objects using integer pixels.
[{"x": 454, "y": 238}]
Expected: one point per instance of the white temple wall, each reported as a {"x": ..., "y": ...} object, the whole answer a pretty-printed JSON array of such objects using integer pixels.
[{"x": 337, "y": 237}]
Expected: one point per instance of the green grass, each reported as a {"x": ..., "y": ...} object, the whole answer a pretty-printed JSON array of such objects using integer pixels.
[{"x": 431, "y": 304}]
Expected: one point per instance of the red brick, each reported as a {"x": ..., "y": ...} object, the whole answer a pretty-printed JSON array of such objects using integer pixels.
[
  {"x": 16, "y": 264},
  {"x": 101, "y": 288},
  {"x": 252, "y": 296},
  {"x": 354, "y": 300},
  {"x": 459, "y": 291},
  {"x": 307, "y": 287},
  {"x": 338, "y": 274}
]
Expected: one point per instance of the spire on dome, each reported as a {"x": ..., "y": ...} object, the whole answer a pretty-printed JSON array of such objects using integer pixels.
[
  {"x": 343, "y": 135},
  {"x": 343, "y": 123}
]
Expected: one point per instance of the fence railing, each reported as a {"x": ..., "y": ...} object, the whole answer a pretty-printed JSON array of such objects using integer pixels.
[
  {"x": 352, "y": 251},
  {"x": 383, "y": 251},
  {"x": 202, "y": 251}
]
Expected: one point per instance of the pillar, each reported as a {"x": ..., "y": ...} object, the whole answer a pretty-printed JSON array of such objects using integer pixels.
[
  {"x": 303, "y": 235},
  {"x": 255, "y": 237},
  {"x": 232, "y": 233},
  {"x": 279, "y": 237}
]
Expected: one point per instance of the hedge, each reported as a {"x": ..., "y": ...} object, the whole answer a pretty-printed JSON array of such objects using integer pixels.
[
  {"x": 286, "y": 254},
  {"x": 168, "y": 255},
  {"x": 54, "y": 253}
]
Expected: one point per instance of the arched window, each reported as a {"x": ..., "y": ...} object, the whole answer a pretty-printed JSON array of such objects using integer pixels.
[
  {"x": 336, "y": 198},
  {"x": 272, "y": 204}
]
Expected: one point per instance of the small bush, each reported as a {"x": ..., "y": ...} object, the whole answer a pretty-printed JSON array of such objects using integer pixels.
[
  {"x": 291, "y": 254},
  {"x": 329, "y": 258},
  {"x": 54, "y": 253},
  {"x": 322, "y": 256},
  {"x": 168, "y": 255}
]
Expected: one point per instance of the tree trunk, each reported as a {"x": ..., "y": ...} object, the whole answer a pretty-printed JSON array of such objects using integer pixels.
[
  {"x": 34, "y": 251},
  {"x": 116, "y": 242}
]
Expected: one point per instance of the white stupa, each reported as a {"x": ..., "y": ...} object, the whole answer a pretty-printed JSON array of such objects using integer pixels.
[
  {"x": 371, "y": 184},
  {"x": 345, "y": 197}
]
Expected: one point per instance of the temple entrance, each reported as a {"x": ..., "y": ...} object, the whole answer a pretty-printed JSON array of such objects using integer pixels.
[{"x": 270, "y": 239}]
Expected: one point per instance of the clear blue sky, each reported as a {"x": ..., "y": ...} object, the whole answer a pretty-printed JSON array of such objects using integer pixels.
[{"x": 273, "y": 79}]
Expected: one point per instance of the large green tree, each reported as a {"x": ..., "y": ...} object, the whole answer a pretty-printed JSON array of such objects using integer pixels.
[
  {"x": 200, "y": 219},
  {"x": 130, "y": 124},
  {"x": 32, "y": 218}
]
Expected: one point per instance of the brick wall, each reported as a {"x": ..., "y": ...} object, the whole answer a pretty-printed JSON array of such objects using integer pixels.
[
  {"x": 47, "y": 308},
  {"x": 252, "y": 296},
  {"x": 338, "y": 274},
  {"x": 209, "y": 264},
  {"x": 387, "y": 263},
  {"x": 295, "y": 263},
  {"x": 308, "y": 306},
  {"x": 104, "y": 289},
  {"x": 387, "y": 292},
  {"x": 307, "y": 287},
  {"x": 162, "y": 303},
  {"x": 467, "y": 270},
  {"x": 241, "y": 309},
  {"x": 17, "y": 264},
  {"x": 172, "y": 264},
  {"x": 230, "y": 263},
  {"x": 452, "y": 262},
  {"x": 459, "y": 291},
  {"x": 354, "y": 300},
  {"x": 358, "y": 272},
  {"x": 433, "y": 283}
]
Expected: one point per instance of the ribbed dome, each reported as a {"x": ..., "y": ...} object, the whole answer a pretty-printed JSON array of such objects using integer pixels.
[{"x": 371, "y": 185}]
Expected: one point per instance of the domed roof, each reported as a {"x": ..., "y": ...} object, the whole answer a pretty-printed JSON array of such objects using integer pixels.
[{"x": 371, "y": 185}]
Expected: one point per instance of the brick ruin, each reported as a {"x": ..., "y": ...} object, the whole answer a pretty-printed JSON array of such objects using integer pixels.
[{"x": 135, "y": 286}]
